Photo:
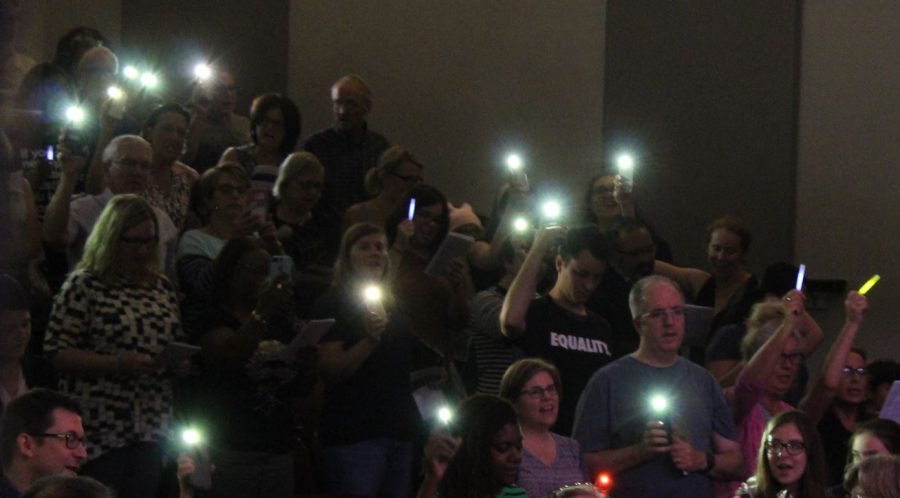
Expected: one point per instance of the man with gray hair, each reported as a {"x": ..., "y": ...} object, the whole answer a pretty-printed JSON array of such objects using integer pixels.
[
  {"x": 70, "y": 218},
  {"x": 348, "y": 149},
  {"x": 657, "y": 421}
]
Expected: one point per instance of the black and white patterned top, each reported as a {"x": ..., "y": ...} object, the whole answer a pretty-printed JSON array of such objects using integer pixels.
[{"x": 106, "y": 319}]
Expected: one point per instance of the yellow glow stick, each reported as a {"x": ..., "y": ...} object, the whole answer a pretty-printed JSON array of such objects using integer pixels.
[{"x": 866, "y": 287}]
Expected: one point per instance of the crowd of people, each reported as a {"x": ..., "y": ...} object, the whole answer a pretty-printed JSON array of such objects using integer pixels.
[{"x": 173, "y": 265}]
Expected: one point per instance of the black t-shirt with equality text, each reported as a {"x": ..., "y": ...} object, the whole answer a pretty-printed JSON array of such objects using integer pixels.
[{"x": 578, "y": 346}]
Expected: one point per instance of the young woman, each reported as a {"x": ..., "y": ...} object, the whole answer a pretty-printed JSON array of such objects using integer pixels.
[
  {"x": 365, "y": 361},
  {"x": 549, "y": 461},
  {"x": 790, "y": 461},
  {"x": 487, "y": 462},
  {"x": 113, "y": 316}
]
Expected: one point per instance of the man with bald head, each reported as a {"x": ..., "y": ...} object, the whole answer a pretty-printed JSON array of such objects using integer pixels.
[
  {"x": 70, "y": 219},
  {"x": 349, "y": 148},
  {"x": 622, "y": 432}
]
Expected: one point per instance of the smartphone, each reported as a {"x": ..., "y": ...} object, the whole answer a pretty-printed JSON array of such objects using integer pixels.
[
  {"x": 201, "y": 478},
  {"x": 281, "y": 263}
]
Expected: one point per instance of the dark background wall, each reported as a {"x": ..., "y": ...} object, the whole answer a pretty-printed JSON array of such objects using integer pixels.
[{"x": 704, "y": 92}]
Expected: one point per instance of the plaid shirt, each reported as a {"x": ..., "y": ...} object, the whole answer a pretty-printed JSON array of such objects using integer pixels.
[{"x": 346, "y": 161}]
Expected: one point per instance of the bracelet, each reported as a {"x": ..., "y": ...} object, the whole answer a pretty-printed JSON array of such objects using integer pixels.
[{"x": 256, "y": 317}]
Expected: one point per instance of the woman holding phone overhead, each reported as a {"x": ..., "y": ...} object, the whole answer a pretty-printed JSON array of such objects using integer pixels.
[
  {"x": 438, "y": 306},
  {"x": 366, "y": 360}
]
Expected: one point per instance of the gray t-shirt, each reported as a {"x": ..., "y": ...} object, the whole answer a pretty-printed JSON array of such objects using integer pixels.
[{"x": 614, "y": 409}]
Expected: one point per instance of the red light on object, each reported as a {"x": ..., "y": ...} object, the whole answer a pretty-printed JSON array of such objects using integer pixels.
[{"x": 603, "y": 482}]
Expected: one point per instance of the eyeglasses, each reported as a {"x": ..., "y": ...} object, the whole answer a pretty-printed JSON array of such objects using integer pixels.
[
  {"x": 538, "y": 392},
  {"x": 73, "y": 440},
  {"x": 792, "y": 447},
  {"x": 676, "y": 313},
  {"x": 231, "y": 189},
  {"x": 792, "y": 359},
  {"x": 849, "y": 371}
]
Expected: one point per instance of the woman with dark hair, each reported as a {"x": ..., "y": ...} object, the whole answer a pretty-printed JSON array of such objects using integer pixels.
[
  {"x": 114, "y": 315},
  {"x": 549, "y": 461},
  {"x": 169, "y": 187},
  {"x": 250, "y": 377},
  {"x": 274, "y": 128},
  {"x": 389, "y": 182},
  {"x": 878, "y": 436},
  {"x": 366, "y": 360},
  {"x": 219, "y": 199},
  {"x": 790, "y": 460},
  {"x": 486, "y": 465},
  {"x": 438, "y": 306},
  {"x": 836, "y": 401}
]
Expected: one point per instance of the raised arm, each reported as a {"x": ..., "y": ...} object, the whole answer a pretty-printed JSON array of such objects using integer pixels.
[
  {"x": 521, "y": 291},
  {"x": 691, "y": 280},
  {"x": 819, "y": 398}
]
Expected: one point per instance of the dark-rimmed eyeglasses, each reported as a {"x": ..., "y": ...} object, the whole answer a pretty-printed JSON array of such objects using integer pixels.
[
  {"x": 792, "y": 359},
  {"x": 793, "y": 447},
  {"x": 72, "y": 440},
  {"x": 538, "y": 392}
]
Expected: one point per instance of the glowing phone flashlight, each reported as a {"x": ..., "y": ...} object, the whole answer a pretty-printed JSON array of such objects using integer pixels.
[
  {"x": 75, "y": 114},
  {"x": 659, "y": 405},
  {"x": 131, "y": 72},
  {"x": 551, "y": 210},
  {"x": 202, "y": 72},
  {"x": 149, "y": 80},
  {"x": 625, "y": 163},
  {"x": 445, "y": 415},
  {"x": 520, "y": 224}
]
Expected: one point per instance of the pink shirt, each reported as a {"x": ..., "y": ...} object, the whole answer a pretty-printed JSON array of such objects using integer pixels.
[{"x": 750, "y": 418}]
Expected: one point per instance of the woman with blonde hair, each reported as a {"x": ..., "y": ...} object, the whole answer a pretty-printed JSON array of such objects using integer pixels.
[
  {"x": 396, "y": 173},
  {"x": 311, "y": 240},
  {"x": 112, "y": 318}
]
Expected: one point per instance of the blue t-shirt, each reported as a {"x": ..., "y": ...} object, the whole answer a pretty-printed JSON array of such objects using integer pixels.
[{"x": 614, "y": 409}]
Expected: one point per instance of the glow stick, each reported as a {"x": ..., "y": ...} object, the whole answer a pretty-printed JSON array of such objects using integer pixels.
[
  {"x": 800, "y": 274},
  {"x": 412, "y": 208},
  {"x": 866, "y": 287}
]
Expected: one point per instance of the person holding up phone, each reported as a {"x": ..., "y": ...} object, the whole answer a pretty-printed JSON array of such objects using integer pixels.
[
  {"x": 214, "y": 126},
  {"x": 248, "y": 383},
  {"x": 366, "y": 361},
  {"x": 220, "y": 200}
]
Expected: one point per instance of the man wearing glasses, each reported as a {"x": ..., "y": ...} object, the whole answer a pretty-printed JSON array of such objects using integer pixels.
[
  {"x": 69, "y": 219},
  {"x": 655, "y": 420},
  {"x": 40, "y": 435}
]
